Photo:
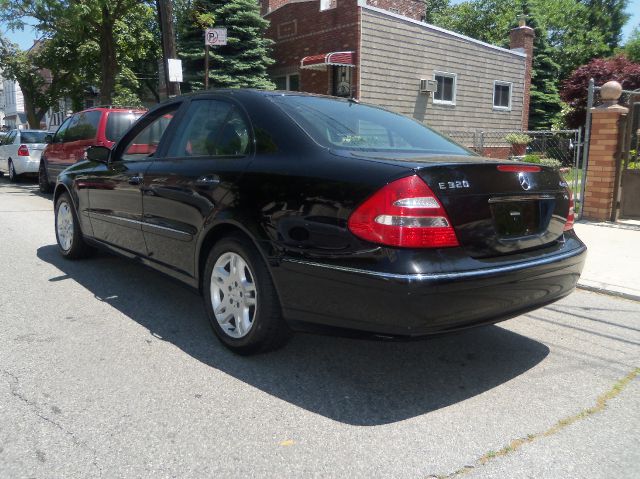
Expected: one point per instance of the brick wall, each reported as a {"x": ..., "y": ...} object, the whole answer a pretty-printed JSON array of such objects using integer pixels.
[
  {"x": 409, "y": 8},
  {"x": 598, "y": 197},
  {"x": 301, "y": 29}
]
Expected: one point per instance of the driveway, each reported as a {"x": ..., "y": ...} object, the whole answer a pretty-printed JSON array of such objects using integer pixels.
[{"x": 108, "y": 369}]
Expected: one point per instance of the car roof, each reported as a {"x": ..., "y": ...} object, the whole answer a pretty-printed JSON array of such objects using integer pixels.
[{"x": 114, "y": 109}]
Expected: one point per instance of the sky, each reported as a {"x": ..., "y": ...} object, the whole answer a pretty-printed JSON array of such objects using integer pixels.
[{"x": 25, "y": 38}]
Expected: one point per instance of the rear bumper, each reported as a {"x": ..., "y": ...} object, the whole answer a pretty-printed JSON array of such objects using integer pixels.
[
  {"x": 24, "y": 165},
  {"x": 421, "y": 304}
]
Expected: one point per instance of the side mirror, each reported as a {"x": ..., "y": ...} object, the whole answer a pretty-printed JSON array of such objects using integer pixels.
[
  {"x": 98, "y": 153},
  {"x": 48, "y": 138}
]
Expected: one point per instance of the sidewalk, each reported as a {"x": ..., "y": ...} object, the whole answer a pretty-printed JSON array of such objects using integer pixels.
[{"x": 613, "y": 260}]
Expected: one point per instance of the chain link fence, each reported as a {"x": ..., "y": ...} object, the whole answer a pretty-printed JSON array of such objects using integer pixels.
[{"x": 558, "y": 148}]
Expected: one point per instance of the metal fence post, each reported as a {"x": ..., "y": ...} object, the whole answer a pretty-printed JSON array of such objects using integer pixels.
[{"x": 585, "y": 150}]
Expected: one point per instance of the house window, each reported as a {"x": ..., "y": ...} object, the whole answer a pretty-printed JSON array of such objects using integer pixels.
[
  {"x": 501, "y": 95},
  {"x": 327, "y": 5},
  {"x": 446, "y": 94},
  {"x": 288, "y": 82}
]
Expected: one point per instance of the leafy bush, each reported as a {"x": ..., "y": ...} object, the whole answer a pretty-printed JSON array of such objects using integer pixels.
[
  {"x": 517, "y": 138},
  {"x": 551, "y": 163}
]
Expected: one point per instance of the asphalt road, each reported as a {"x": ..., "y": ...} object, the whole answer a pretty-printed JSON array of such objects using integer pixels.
[{"x": 108, "y": 369}]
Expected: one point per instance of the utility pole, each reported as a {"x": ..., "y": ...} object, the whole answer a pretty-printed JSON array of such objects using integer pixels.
[{"x": 165, "y": 18}]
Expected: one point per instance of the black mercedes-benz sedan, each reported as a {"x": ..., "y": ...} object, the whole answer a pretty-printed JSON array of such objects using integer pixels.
[{"x": 292, "y": 211}]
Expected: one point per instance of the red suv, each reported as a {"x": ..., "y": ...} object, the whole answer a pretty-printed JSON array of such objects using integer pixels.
[{"x": 101, "y": 126}]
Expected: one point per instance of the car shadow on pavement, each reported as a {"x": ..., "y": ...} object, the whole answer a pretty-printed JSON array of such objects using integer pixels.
[
  {"x": 358, "y": 382},
  {"x": 24, "y": 186}
]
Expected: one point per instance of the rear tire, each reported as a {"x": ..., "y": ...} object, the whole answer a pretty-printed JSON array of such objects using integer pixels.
[
  {"x": 43, "y": 179},
  {"x": 13, "y": 176},
  {"x": 240, "y": 299},
  {"x": 71, "y": 243}
]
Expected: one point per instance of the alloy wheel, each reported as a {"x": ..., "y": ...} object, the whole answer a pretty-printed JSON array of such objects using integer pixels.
[
  {"x": 64, "y": 226},
  {"x": 233, "y": 295}
]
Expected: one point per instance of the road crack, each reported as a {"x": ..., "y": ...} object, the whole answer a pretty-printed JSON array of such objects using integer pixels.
[
  {"x": 14, "y": 390},
  {"x": 514, "y": 445}
]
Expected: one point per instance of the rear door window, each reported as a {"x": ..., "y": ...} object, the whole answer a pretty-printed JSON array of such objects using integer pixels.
[
  {"x": 118, "y": 122},
  {"x": 211, "y": 128},
  {"x": 32, "y": 137},
  {"x": 85, "y": 126}
]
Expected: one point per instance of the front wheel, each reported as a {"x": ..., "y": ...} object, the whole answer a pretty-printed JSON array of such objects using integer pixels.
[
  {"x": 240, "y": 298},
  {"x": 43, "y": 179},
  {"x": 71, "y": 244}
]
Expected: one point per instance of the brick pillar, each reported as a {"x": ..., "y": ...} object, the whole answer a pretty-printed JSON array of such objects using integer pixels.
[
  {"x": 521, "y": 39},
  {"x": 599, "y": 203}
]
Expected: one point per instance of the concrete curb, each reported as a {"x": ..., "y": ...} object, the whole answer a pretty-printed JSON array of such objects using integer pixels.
[{"x": 609, "y": 292}]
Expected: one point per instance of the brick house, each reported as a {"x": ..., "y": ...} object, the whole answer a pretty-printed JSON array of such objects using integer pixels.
[{"x": 378, "y": 51}]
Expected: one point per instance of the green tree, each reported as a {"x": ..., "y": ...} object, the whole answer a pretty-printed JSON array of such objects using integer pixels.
[
  {"x": 632, "y": 47},
  {"x": 608, "y": 17},
  {"x": 545, "y": 105},
  {"x": 39, "y": 79},
  {"x": 243, "y": 62},
  {"x": 434, "y": 9},
  {"x": 90, "y": 24}
]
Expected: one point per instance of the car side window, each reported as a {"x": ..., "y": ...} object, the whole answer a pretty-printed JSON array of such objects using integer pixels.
[
  {"x": 60, "y": 134},
  {"x": 211, "y": 128},
  {"x": 12, "y": 137},
  {"x": 146, "y": 142},
  {"x": 85, "y": 127}
]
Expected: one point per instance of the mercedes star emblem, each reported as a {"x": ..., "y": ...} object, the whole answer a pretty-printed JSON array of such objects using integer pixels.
[{"x": 524, "y": 181}]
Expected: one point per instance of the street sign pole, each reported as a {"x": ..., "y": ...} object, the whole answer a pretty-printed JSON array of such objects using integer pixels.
[
  {"x": 212, "y": 37},
  {"x": 206, "y": 66}
]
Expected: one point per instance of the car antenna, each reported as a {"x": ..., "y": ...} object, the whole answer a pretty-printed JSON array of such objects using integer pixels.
[{"x": 353, "y": 100}]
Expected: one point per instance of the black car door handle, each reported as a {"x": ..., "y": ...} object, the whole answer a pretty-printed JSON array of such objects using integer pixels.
[
  {"x": 136, "y": 180},
  {"x": 208, "y": 180}
]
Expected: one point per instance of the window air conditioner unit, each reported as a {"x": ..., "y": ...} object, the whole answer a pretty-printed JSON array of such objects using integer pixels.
[{"x": 428, "y": 86}]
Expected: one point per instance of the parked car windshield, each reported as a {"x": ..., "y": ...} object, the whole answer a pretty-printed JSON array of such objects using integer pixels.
[
  {"x": 32, "y": 136},
  {"x": 350, "y": 125},
  {"x": 118, "y": 122}
]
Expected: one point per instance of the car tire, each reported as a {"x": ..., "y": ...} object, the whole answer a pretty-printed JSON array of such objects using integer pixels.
[
  {"x": 13, "y": 176},
  {"x": 43, "y": 179},
  {"x": 242, "y": 303},
  {"x": 71, "y": 243}
]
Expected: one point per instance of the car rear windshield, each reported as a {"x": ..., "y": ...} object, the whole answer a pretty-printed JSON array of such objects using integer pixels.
[
  {"x": 349, "y": 125},
  {"x": 118, "y": 123},
  {"x": 32, "y": 136}
]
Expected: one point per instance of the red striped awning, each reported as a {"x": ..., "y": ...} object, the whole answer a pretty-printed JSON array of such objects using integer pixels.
[{"x": 345, "y": 59}]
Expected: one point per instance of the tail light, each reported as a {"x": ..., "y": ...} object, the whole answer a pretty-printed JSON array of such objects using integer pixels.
[
  {"x": 23, "y": 150},
  {"x": 404, "y": 213},
  {"x": 571, "y": 215}
]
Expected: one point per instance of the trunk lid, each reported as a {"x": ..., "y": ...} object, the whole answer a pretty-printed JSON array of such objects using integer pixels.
[{"x": 495, "y": 212}]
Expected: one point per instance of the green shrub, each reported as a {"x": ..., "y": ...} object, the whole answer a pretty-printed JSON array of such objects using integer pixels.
[
  {"x": 531, "y": 158},
  {"x": 517, "y": 138},
  {"x": 551, "y": 163}
]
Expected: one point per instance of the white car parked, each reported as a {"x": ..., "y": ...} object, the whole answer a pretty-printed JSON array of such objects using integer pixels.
[{"x": 20, "y": 152}]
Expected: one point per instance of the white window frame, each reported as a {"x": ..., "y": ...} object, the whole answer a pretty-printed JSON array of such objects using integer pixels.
[
  {"x": 493, "y": 100},
  {"x": 454, "y": 88}
]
